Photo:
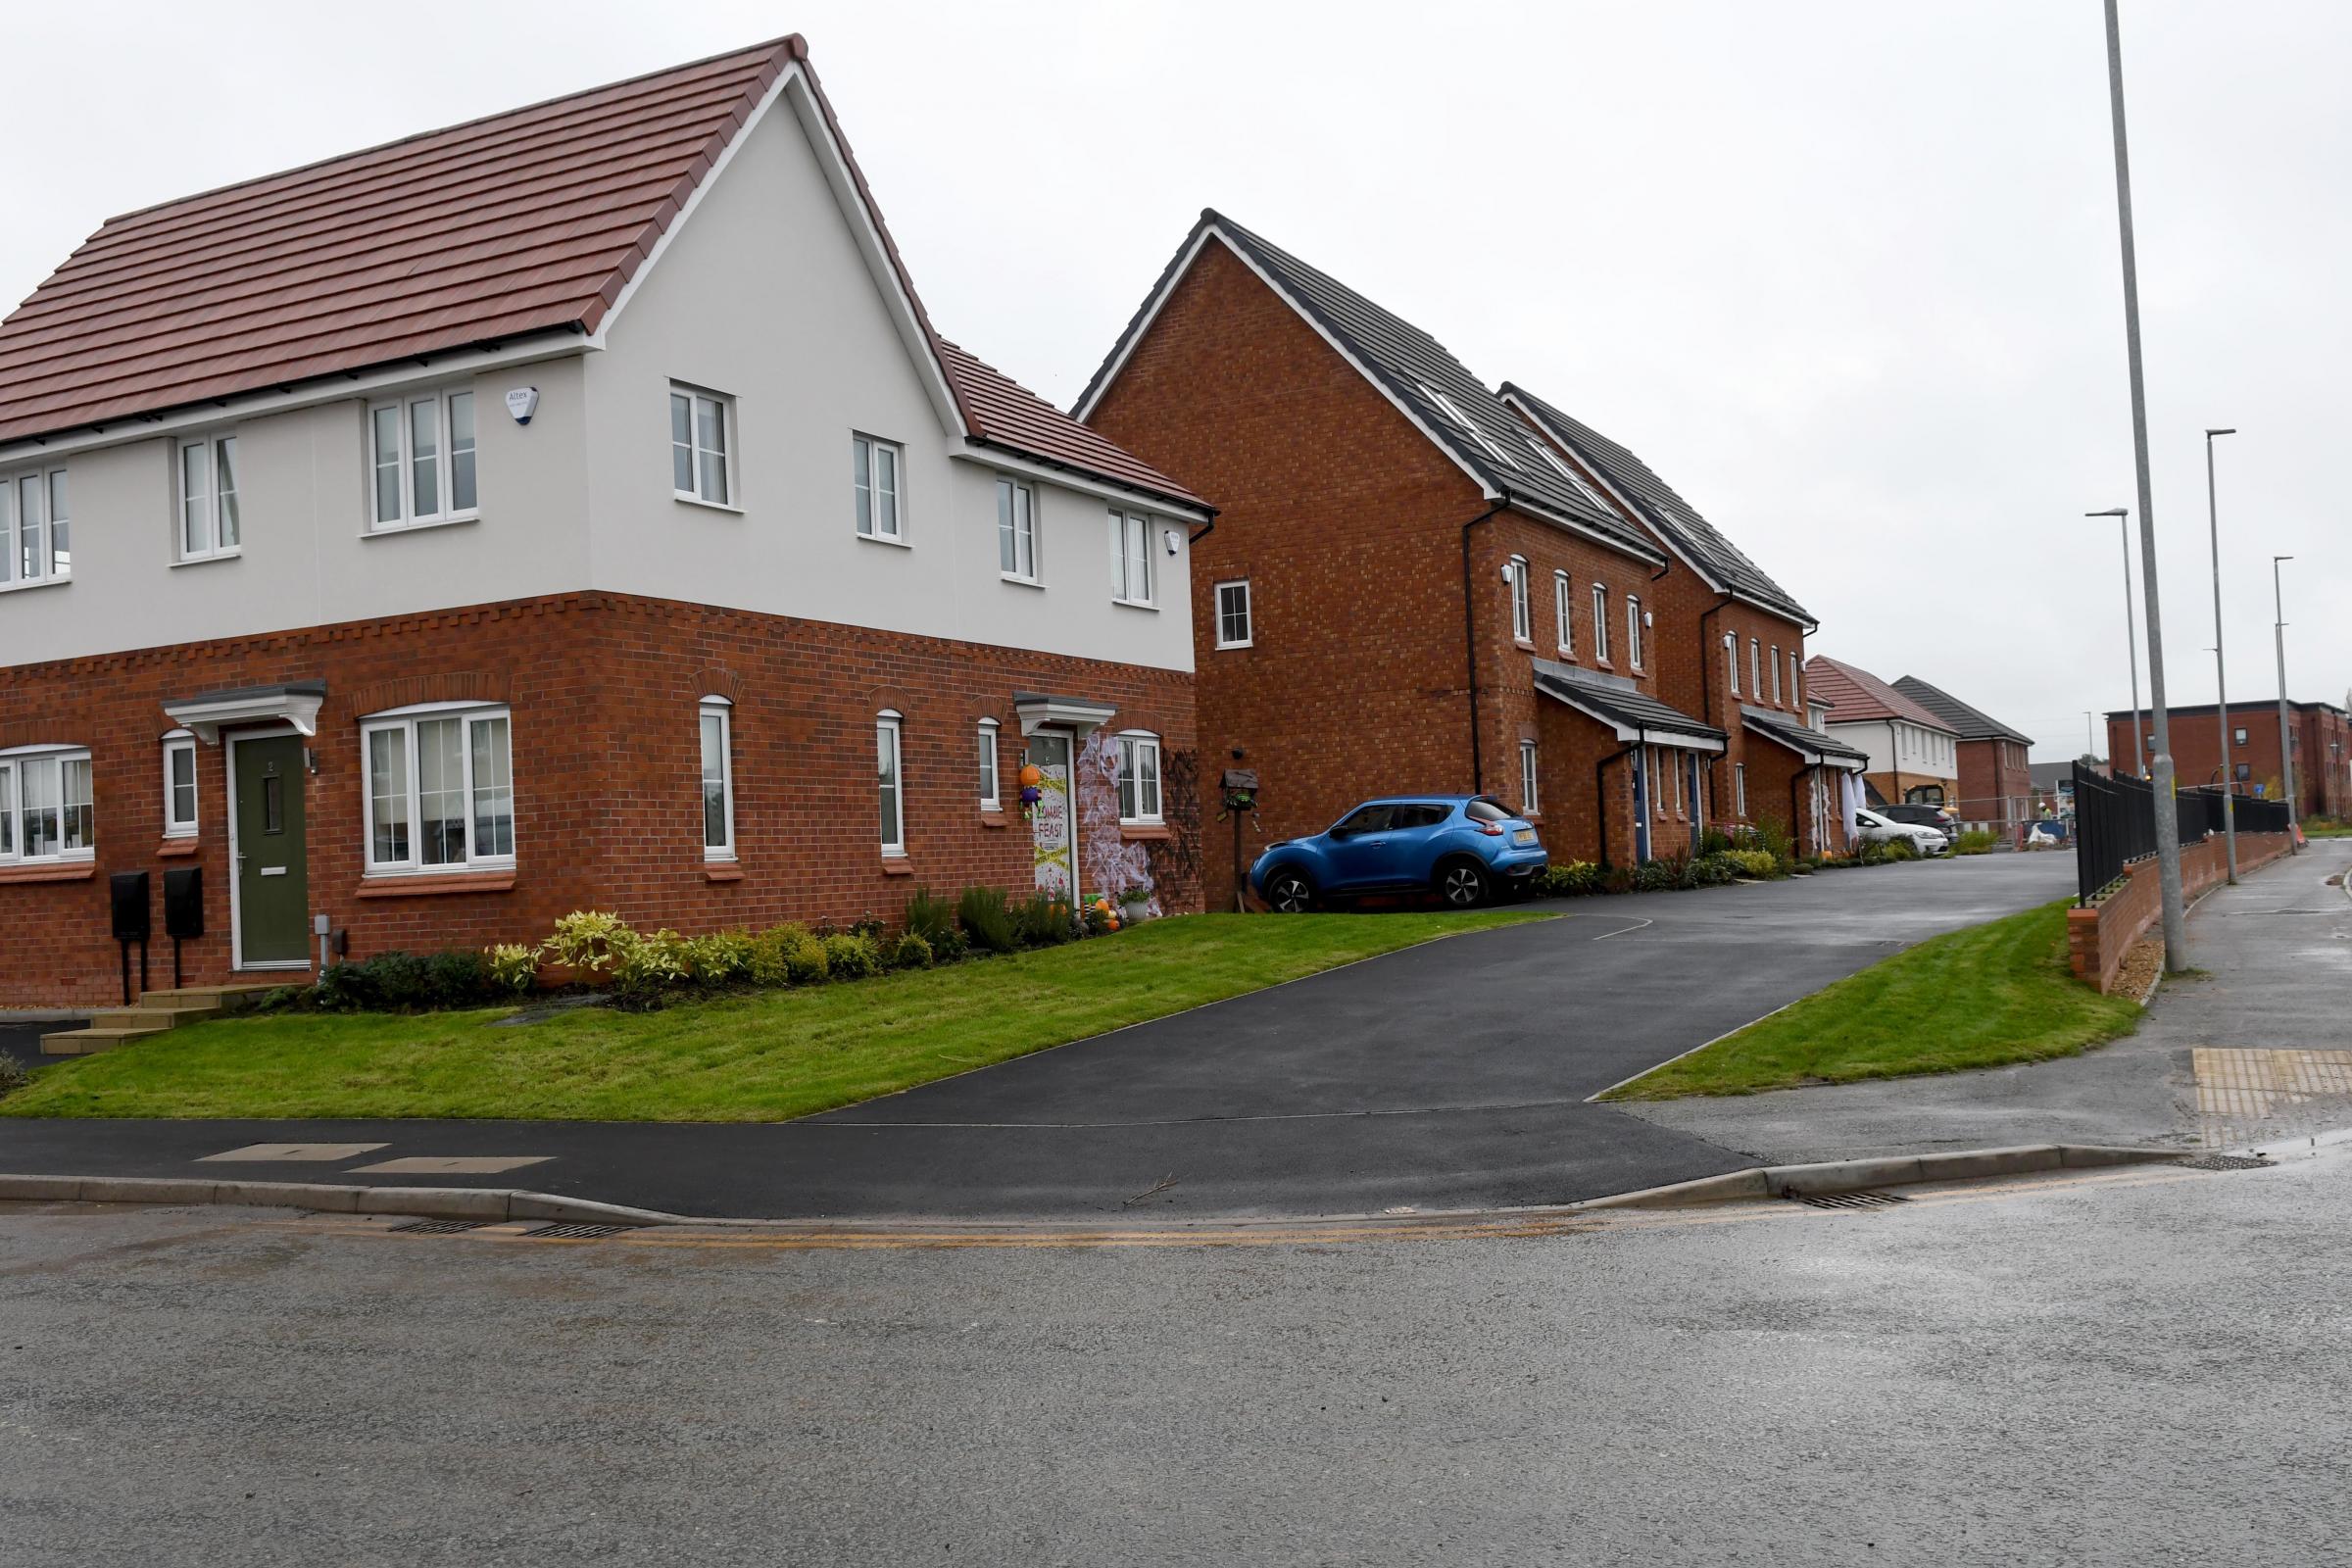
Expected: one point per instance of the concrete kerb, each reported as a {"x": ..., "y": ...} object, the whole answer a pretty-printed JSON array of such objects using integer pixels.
[{"x": 496, "y": 1204}]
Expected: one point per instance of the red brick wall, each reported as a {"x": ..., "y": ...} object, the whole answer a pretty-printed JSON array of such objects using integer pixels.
[
  {"x": 2098, "y": 937},
  {"x": 604, "y": 691},
  {"x": 2322, "y": 755},
  {"x": 1995, "y": 785}
]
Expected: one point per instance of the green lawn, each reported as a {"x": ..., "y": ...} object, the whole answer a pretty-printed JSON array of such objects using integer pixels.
[
  {"x": 1985, "y": 997},
  {"x": 760, "y": 1057}
]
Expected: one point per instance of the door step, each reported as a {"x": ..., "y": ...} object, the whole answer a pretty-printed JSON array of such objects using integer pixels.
[
  {"x": 155, "y": 1012},
  {"x": 89, "y": 1042}
]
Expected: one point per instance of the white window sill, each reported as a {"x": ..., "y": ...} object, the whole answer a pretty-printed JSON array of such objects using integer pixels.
[
  {"x": 386, "y": 531},
  {"x": 718, "y": 857},
  {"x": 685, "y": 500},
  {"x": 893, "y": 855},
  {"x": 37, "y": 582},
  {"x": 1229, "y": 646},
  {"x": 1019, "y": 581},
  {"x": 1137, "y": 603},
  {"x": 891, "y": 540},
  {"x": 395, "y": 873},
  {"x": 215, "y": 558},
  {"x": 175, "y": 833}
]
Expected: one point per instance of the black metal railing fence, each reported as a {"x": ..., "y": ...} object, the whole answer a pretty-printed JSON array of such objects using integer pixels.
[{"x": 2115, "y": 825}]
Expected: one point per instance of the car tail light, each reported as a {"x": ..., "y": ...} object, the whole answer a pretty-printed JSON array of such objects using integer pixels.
[{"x": 1492, "y": 830}]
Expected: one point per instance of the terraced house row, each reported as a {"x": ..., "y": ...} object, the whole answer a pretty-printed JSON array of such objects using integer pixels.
[{"x": 577, "y": 508}]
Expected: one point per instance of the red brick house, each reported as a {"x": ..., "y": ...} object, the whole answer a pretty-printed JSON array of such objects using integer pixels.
[
  {"x": 1732, "y": 649},
  {"x": 571, "y": 509},
  {"x": 2318, "y": 732},
  {"x": 1913, "y": 756},
  {"x": 1406, "y": 589},
  {"x": 1997, "y": 783}
]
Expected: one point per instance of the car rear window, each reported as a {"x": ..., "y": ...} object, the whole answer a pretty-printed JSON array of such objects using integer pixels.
[{"x": 1486, "y": 810}]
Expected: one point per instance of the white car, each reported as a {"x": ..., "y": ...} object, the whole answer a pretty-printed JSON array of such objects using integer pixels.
[{"x": 1877, "y": 829}]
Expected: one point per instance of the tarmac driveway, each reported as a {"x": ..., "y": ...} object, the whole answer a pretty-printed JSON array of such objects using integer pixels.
[{"x": 1452, "y": 1075}]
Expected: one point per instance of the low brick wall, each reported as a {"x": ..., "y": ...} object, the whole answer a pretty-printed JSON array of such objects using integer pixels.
[{"x": 2097, "y": 938}]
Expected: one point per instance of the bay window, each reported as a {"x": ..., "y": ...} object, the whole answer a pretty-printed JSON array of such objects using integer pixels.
[
  {"x": 1139, "y": 779},
  {"x": 420, "y": 460},
  {"x": 440, "y": 789},
  {"x": 45, "y": 805}
]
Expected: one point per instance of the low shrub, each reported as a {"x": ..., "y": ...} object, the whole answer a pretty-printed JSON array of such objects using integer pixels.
[
  {"x": 1657, "y": 876},
  {"x": 928, "y": 916},
  {"x": 950, "y": 947},
  {"x": 513, "y": 966},
  {"x": 1711, "y": 870},
  {"x": 1042, "y": 920},
  {"x": 1713, "y": 842},
  {"x": 850, "y": 957},
  {"x": 721, "y": 959},
  {"x": 1976, "y": 841},
  {"x": 1617, "y": 879},
  {"x": 1885, "y": 851},
  {"x": 868, "y": 924},
  {"x": 1760, "y": 864},
  {"x": 586, "y": 941},
  {"x": 407, "y": 982},
  {"x": 789, "y": 954},
  {"x": 14, "y": 1074},
  {"x": 648, "y": 965},
  {"x": 985, "y": 919},
  {"x": 910, "y": 951},
  {"x": 1570, "y": 879}
]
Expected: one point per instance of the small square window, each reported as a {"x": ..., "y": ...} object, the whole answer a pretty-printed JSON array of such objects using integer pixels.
[
  {"x": 702, "y": 446},
  {"x": 877, "y": 472},
  {"x": 1235, "y": 628}
]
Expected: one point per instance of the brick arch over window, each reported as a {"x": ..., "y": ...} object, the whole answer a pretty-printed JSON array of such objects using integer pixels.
[
  {"x": 893, "y": 697},
  {"x": 448, "y": 686},
  {"x": 717, "y": 680},
  {"x": 60, "y": 727}
]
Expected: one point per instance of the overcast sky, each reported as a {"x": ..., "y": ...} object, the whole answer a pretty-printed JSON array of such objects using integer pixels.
[{"x": 1844, "y": 274}]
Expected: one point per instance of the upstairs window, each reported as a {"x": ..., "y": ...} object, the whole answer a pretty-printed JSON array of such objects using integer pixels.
[
  {"x": 1797, "y": 692},
  {"x": 1775, "y": 675},
  {"x": 209, "y": 524},
  {"x": 1234, "y": 626},
  {"x": 1453, "y": 412},
  {"x": 1755, "y": 667},
  {"x": 1633, "y": 634},
  {"x": 35, "y": 535},
  {"x": 1139, "y": 779},
  {"x": 179, "y": 786},
  {"x": 719, "y": 779},
  {"x": 1600, "y": 622},
  {"x": 874, "y": 476},
  {"x": 1563, "y": 601},
  {"x": 1016, "y": 530},
  {"x": 45, "y": 810},
  {"x": 440, "y": 790},
  {"x": 420, "y": 460},
  {"x": 1522, "y": 613},
  {"x": 1731, "y": 660},
  {"x": 702, "y": 446},
  {"x": 1130, "y": 557}
]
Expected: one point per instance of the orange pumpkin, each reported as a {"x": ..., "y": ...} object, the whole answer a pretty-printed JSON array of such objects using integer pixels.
[
  {"x": 1114, "y": 922},
  {"x": 1032, "y": 776}
]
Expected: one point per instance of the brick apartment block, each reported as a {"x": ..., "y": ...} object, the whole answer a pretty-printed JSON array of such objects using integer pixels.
[
  {"x": 2317, "y": 733},
  {"x": 1413, "y": 586},
  {"x": 571, "y": 509}
]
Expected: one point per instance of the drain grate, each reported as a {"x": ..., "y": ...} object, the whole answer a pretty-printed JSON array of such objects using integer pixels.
[
  {"x": 1863, "y": 1200},
  {"x": 2228, "y": 1162},
  {"x": 439, "y": 1227},
  {"x": 575, "y": 1232}
]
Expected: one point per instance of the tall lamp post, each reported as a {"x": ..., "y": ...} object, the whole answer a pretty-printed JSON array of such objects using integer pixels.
[
  {"x": 2139, "y": 743},
  {"x": 2286, "y": 754},
  {"x": 2168, "y": 809},
  {"x": 2221, "y": 684}
]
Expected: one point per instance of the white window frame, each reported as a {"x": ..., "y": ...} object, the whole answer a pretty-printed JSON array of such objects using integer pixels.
[
  {"x": 1125, "y": 528},
  {"x": 1755, "y": 667},
  {"x": 403, "y": 408},
  {"x": 723, "y": 710},
  {"x": 1731, "y": 658},
  {"x": 890, "y": 735},
  {"x": 1740, "y": 790},
  {"x": 1563, "y": 611},
  {"x": 1600, "y": 622},
  {"x": 992, "y": 767},
  {"x": 1796, "y": 690},
  {"x": 1016, "y": 527},
  {"x": 1133, "y": 746},
  {"x": 1248, "y": 634},
  {"x": 870, "y": 522},
  {"x": 15, "y": 763},
  {"x": 47, "y": 484},
  {"x": 214, "y": 545},
  {"x": 729, "y": 451},
  {"x": 1775, "y": 675},
  {"x": 1633, "y": 633},
  {"x": 1453, "y": 412},
  {"x": 406, "y": 721},
  {"x": 180, "y": 743},
  {"x": 1523, "y": 610},
  {"x": 1531, "y": 802}
]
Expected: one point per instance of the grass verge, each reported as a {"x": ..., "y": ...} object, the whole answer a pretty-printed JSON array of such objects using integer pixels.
[
  {"x": 768, "y": 1056},
  {"x": 1986, "y": 996}
]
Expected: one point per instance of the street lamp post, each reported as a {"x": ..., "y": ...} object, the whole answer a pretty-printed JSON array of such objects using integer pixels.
[
  {"x": 2168, "y": 809},
  {"x": 2286, "y": 754},
  {"x": 2139, "y": 743},
  {"x": 2221, "y": 684}
]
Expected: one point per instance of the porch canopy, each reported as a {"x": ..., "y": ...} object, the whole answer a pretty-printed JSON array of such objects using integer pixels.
[
  {"x": 1632, "y": 714},
  {"x": 295, "y": 702},
  {"x": 1812, "y": 746}
]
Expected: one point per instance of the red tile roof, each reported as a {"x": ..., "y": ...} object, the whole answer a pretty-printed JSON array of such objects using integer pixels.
[
  {"x": 1003, "y": 413},
  {"x": 1855, "y": 693},
  {"x": 527, "y": 221}
]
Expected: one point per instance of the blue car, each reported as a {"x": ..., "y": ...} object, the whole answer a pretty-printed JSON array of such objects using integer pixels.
[{"x": 1463, "y": 848}]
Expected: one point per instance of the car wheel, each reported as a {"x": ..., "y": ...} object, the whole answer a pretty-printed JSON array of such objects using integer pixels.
[
  {"x": 1464, "y": 884},
  {"x": 1289, "y": 892}
]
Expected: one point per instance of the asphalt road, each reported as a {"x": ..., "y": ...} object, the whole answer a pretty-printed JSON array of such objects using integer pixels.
[
  {"x": 1451, "y": 1075},
  {"x": 2143, "y": 1368}
]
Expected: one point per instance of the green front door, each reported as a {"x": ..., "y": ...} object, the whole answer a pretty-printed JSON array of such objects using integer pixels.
[{"x": 272, "y": 871}]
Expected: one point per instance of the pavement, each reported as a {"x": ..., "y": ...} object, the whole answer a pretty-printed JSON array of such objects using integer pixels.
[
  {"x": 2272, "y": 956},
  {"x": 2143, "y": 1366},
  {"x": 1452, "y": 1075}
]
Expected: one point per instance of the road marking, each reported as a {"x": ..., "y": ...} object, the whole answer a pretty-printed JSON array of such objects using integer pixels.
[
  {"x": 1622, "y": 930},
  {"x": 260, "y": 1154},
  {"x": 454, "y": 1165}
]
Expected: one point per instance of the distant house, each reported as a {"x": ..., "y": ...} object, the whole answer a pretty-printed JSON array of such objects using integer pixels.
[
  {"x": 1996, "y": 789},
  {"x": 1913, "y": 756}
]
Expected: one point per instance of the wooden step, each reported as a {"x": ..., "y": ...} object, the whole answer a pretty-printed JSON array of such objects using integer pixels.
[
  {"x": 89, "y": 1042},
  {"x": 150, "y": 1015},
  {"x": 211, "y": 999}
]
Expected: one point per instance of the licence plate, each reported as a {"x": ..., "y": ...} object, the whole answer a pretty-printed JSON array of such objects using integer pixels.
[{"x": 1525, "y": 835}]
